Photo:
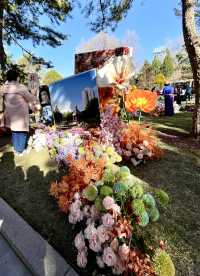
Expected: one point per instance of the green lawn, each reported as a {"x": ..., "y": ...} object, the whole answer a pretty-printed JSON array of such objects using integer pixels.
[{"x": 24, "y": 184}]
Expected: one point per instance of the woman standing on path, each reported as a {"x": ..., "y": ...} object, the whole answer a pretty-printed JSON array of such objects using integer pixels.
[
  {"x": 16, "y": 110},
  {"x": 168, "y": 92}
]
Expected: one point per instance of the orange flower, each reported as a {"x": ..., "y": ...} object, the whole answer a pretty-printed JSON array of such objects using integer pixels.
[{"x": 141, "y": 100}]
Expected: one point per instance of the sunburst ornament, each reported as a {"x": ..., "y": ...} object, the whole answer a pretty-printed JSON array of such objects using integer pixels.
[{"x": 117, "y": 72}]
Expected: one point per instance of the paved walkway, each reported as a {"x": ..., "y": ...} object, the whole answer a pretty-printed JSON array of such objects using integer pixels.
[
  {"x": 23, "y": 252},
  {"x": 10, "y": 263}
]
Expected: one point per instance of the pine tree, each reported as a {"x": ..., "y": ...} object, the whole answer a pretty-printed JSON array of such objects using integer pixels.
[
  {"x": 21, "y": 20},
  {"x": 156, "y": 66},
  {"x": 146, "y": 76},
  {"x": 167, "y": 67}
]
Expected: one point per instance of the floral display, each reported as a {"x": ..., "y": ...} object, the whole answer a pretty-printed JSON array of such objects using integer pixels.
[
  {"x": 86, "y": 169},
  {"x": 133, "y": 141},
  {"x": 140, "y": 100},
  {"x": 139, "y": 143},
  {"x": 159, "y": 110},
  {"x": 113, "y": 210}
]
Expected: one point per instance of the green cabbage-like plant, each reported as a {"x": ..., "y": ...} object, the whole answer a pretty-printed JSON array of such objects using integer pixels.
[
  {"x": 138, "y": 206},
  {"x": 143, "y": 219},
  {"x": 90, "y": 192},
  {"x": 162, "y": 197},
  {"x": 153, "y": 214},
  {"x": 106, "y": 191},
  {"x": 136, "y": 191},
  {"x": 149, "y": 200},
  {"x": 163, "y": 264},
  {"x": 98, "y": 204}
]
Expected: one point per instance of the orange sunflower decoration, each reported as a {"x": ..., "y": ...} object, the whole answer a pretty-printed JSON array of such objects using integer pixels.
[{"x": 141, "y": 100}]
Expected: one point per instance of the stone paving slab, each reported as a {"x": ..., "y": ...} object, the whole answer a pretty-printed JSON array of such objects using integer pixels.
[
  {"x": 10, "y": 264},
  {"x": 40, "y": 258}
]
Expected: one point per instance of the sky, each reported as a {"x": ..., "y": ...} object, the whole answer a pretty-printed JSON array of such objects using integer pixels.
[{"x": 153, "y": 22}]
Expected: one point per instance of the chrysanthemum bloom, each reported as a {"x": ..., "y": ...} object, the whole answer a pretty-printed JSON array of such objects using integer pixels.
[{"x": 141, "y": 100}]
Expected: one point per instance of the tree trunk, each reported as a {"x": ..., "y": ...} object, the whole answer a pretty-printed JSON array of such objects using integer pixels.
[
  {"x": 2, "y": 51},
  {"x": 192, "y": 42}
]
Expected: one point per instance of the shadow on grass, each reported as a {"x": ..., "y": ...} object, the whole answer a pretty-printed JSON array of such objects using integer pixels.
[
  {"x": 179, "y": 124},
  {"x": 178, "y": 173},
  {"x": 29, "y": 196}
]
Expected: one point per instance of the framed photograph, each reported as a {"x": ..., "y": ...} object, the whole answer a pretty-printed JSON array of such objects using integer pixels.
[{"x": 75, "y": 98}]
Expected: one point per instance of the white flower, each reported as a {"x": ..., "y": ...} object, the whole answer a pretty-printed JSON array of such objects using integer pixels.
[
  {"x": 109, "y": 257},
  {"x": 79, "y": 241}
]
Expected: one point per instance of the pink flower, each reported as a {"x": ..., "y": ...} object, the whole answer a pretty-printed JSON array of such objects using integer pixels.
[
  {"x": 124, "y": 252},
  {"x": 75, "y": 217},
  {"x": 129, "y": 147},
  {"x": 108, "y": 220},
  {"x": 76, "y": 196},
  {"x": 102, "y": 233},
  {"x": 94, "y": 212},
  {"x": 82, "y": 259},
  {"x": 109, "y": 257},
  {"x": 116, "y": 208},
  {"x": 86, "y": 211},
  {"x": 119, "y": 268},
  {"x": 94, "y": 243},
  {"x": 89, "y": 221},
  {"x": 90, "y": 231},
  {"x": 108, "y": 202},
  {"x": 100, "y": 262},
  {"x": 140, "y": 156},
  {"x": 127, "y": 153},
  {"x": 79, "y": 241},
  {"x": 75, "y": 206}
]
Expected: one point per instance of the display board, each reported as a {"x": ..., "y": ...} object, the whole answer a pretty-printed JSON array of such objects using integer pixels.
[
  {"x": 75, "y": 95},
  {"x": 33, "y": 83},
  {"x": 113, "y": 66},
  {"x": 98, "y": 59}
]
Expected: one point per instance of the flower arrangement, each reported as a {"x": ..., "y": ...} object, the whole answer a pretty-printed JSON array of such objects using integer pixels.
[
  {"x": 133, "y": 141},
  {"x": 87, "y": 168},
  {"x": 139, "y": 143},
  {"x": 113, "y": 211}
]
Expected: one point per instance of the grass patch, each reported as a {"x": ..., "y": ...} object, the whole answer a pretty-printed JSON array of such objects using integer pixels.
[{"x": 24, "y": 184}]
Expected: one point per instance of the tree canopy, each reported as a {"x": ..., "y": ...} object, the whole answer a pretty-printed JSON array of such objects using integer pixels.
[
  {"x": 21, "y": 20},
  {"x": 51, "y": 76}
]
